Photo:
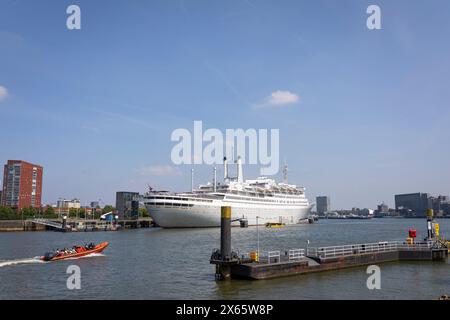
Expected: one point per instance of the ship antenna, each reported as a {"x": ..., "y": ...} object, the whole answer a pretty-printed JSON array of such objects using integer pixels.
[
  {"x": 285, "y": 172},
  {"x": 215, "y": 179}
]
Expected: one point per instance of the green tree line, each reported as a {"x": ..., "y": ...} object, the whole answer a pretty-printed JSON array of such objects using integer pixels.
[{"x": 7, "y": 213}]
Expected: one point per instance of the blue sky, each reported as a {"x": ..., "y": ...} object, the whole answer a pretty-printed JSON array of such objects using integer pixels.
[{"x": 96, "y": 106}]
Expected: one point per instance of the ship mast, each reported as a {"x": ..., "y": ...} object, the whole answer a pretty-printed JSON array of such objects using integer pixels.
[
  {"x": 225, "y": 168},
  {"x": 285, "y": 173},
  {"x": 215, "y": 179},
  {"x": 192, "y": 180}
]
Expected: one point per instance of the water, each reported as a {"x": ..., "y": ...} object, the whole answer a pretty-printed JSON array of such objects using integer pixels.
[{"x": 174, "y": 264}]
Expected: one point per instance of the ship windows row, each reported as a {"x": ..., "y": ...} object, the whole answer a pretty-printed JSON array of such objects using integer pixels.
[
  {"x": 169, "y": 204},
  {"x": 180, "y": 199}
]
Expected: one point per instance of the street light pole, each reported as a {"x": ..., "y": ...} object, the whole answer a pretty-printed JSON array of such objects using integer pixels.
[{"x": 257, "y": 235}]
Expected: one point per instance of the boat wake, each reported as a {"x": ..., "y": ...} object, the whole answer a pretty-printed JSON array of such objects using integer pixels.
[
  {"x": 90, "y": 255},
  {"x": 6, "y": 263}
]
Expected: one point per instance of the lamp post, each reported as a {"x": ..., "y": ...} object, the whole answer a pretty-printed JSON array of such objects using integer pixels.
[{"x": 257, "y": 235}]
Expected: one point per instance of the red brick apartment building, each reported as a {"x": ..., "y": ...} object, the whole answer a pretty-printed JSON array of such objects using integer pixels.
[{"x": 22, "y": 185}]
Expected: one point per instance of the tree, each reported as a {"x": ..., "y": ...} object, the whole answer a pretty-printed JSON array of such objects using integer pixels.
[
  {"x": 49, "y": 212},
  {"x": 108, "y": 208},
  {"x": 143, "y": 212},
  {"x": 73, "y": 212},
  {"x": 7, "y": 213},
  {"x": 28, "y": 212}
]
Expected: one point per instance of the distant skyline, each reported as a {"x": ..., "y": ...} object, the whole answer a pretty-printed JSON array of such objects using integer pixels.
[{"x": 362, "y": 114}]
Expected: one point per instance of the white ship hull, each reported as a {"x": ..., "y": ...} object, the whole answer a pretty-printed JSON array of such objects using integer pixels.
[{"x": 209, "y": 215}]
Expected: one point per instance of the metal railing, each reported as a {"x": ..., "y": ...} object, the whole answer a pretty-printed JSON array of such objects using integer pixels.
[
  {"x": 273, "y": 257},
  {"x": 46, "y": 222},
  {"x": 338, "y": 251},
  {"x": 414, "y": 246},
  {"x": 353, "y": 249},
  {"x": 296, "y": 254}
]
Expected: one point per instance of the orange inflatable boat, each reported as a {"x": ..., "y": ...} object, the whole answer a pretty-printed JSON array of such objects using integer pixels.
[{"x": 75, "y": 252}]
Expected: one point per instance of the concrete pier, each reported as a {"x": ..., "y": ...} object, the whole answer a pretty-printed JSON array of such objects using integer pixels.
[{"x": 301, "y": 261}]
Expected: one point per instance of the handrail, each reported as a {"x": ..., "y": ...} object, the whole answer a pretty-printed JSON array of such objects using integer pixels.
[
  {"x": 351, "y": 249},
  {"x": 46, "y": 222},
  {"x": 273, "y": 254},
  {"x": 342, "y": 250},
  {"x": 295, "y": 254}
]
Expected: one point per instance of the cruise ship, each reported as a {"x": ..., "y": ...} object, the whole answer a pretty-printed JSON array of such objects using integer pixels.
[{"x": 258, "y": 201}]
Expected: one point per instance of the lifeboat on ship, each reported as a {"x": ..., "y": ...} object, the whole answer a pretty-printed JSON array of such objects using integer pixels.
[{"x": 74, "y": 252}]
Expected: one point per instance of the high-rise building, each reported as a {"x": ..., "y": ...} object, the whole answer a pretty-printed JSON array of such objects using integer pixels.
[
  {"x": 22, "y": 184},
  {"x": 438, "y": 204},
  {"x": 323, "y": 204},
  {"x": 418, "y": 203},
  {"x": 127, "y": 204}
]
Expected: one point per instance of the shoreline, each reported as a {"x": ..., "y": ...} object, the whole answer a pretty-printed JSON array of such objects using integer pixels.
[{"x": 30, "y": 226}]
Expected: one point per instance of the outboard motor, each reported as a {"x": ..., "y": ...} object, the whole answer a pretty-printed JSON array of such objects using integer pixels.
[{"x": 48, "y": 256}]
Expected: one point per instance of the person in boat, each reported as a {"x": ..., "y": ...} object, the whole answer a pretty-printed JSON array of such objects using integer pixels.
[{"x": 90, "y": 246}]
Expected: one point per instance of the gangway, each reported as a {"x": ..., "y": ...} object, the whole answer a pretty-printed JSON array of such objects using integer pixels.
[{"x": 49, "y": 223}]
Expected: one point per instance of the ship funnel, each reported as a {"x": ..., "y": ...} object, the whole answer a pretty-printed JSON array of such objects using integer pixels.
[
  {"x": 225, "y": 168},
  {"x": 240, "y": 173}
]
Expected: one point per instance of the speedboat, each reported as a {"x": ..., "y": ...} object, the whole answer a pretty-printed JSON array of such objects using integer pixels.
[{"x": 75, "y": 252}]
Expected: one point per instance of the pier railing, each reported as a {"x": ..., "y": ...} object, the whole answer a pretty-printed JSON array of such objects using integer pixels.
[
  {"x": 352, "y": 249},
  {"x": 277, "y": 256},
  {"x": 296, "y": 254},
  {"x": 273, "y": 257},
  {"x": 337, "y": 251}
]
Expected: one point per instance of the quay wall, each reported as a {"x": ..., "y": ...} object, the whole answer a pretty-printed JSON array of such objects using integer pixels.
[{"x": 19, "y": 225}]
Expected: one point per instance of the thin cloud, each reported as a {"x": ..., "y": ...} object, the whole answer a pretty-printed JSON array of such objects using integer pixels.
[
  {"x": 216, "y": 71},
  {"x": 3, "y": 93},
  {"x": 126, "y": 118},
  {"x": 278, "y": 98},
  {"x": 161, "y": 170}
]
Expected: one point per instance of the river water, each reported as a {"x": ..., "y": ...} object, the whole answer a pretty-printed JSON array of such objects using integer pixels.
[{"x": 174, "y": 264}]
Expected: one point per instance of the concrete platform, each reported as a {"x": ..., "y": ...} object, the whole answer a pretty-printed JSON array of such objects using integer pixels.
[{"x": 304, "y": 265}]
